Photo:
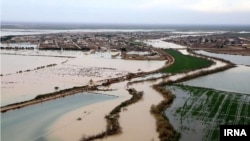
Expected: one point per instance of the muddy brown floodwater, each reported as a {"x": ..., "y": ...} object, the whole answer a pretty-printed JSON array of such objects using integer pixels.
[
  {"x": 68, "y": 72},
  {"x": 136, "y": 120}
]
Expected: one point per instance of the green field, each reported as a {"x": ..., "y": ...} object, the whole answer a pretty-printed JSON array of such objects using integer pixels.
[
  {"x": 184, "y": 63},
  {"x": 198, "y": 112}
]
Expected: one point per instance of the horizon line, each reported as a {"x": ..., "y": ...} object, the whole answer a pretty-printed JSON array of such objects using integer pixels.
[{"x": 128, "y": 24}]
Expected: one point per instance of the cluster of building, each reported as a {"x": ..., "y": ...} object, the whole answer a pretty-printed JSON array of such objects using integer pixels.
[
  {"x": 83, "y": 41},
  {"x": 212, "y": 41}
]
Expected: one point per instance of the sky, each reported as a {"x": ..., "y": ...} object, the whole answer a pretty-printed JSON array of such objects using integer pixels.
[{"x": 204, "y": 12}]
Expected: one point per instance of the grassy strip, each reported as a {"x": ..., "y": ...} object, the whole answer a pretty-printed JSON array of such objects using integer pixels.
[
  {"x": 113, "y": 126},
  {"x": 185, "y": 63},
  {"x": 164, "y": 128},
  {"x": 200, "y": 73}
]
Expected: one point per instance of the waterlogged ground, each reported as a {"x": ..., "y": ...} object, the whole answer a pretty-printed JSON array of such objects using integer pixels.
[
  {"x": 197, "y": 112},
  {"x": 22, "y": 80}
]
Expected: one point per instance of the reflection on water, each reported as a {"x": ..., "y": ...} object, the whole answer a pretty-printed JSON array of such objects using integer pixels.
[
  {"x": 234, "y": 80},
  {"x": 32, "y": 123}
]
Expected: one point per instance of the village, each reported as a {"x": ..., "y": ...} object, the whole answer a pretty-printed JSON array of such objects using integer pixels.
[
  {"x": 119, "y": 43},
  {"x": 83, "y": 41},
  {"x": 124, "y": 44},
  {"x": 226, "y": 43}
]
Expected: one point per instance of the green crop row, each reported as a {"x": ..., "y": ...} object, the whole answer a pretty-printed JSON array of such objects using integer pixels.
[{"x": 184, "y": 63}]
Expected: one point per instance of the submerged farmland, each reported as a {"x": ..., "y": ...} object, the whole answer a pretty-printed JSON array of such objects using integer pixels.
[{"x": 198, "y": 112}]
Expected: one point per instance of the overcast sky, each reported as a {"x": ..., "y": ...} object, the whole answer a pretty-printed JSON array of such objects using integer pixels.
[{"x": 128, "y": 11}]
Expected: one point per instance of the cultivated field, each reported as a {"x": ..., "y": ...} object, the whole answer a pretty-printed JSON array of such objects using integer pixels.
[
  {"x": 197, "y": 112},
  {"x": 184, "y": 63}
]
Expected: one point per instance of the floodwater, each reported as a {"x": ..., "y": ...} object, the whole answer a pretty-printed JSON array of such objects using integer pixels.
[
  {"x": 5, "y": 32},
  {"x": 77, "y": 70},
  {"x": 74, "y": 72},
  {"x": 14, "y": 63},
  {"x": 32, "y": 123},
  {"x": 137, "y": 119},
  {"x": 235, "y": 80},
  {"x": 182, "y": 124},
  {"x": 158, "y": 43},
  {"x": 149, "y": 76},
  {"x": 138, "y": 52},
  {"x": 197, "y": 112},
  {"x": 236, "y": 59},
  {"x": 19, "y": 45}
]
